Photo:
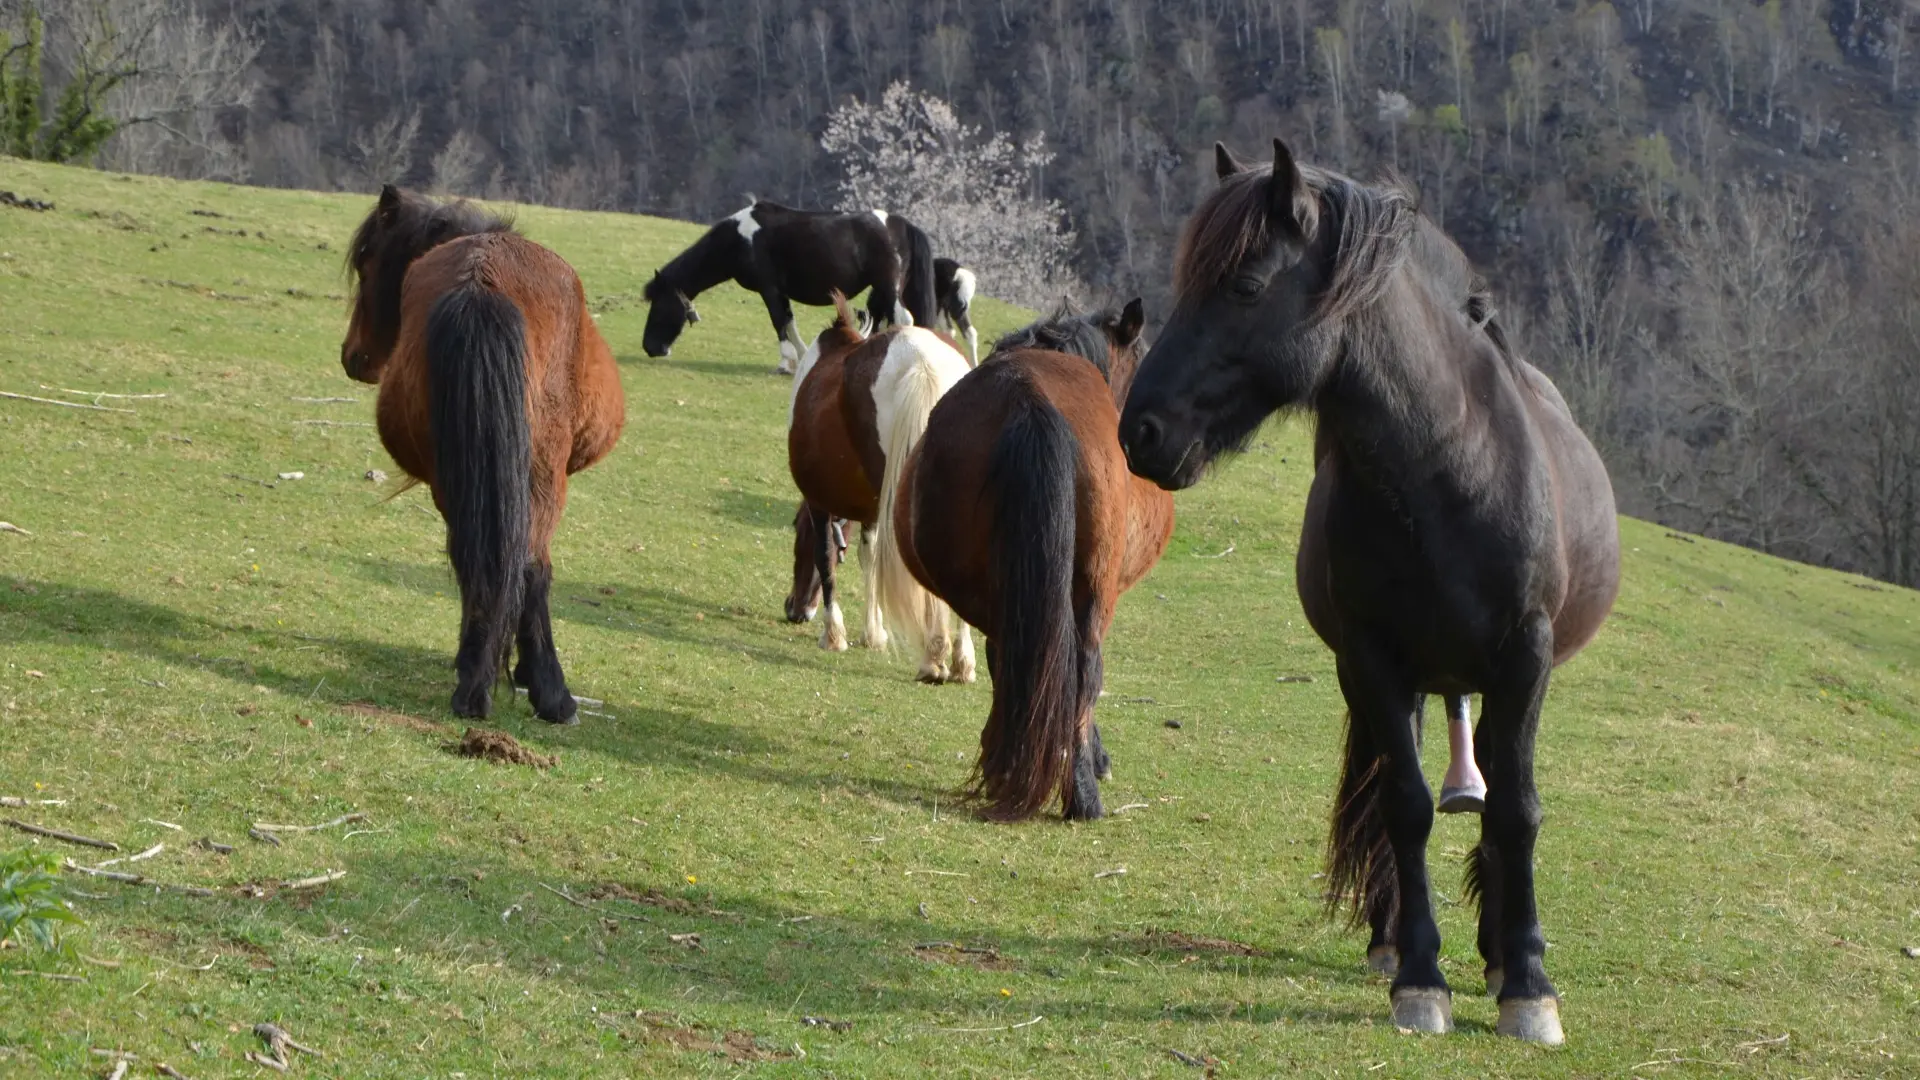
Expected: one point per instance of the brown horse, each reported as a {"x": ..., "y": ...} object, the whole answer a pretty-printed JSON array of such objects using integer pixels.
[
  {"x": 1459, "y": 536},
  {"x": 859, "y": 406},
  {"x": 495, "y": 386},
  {"x": 1018, "y": 510}
]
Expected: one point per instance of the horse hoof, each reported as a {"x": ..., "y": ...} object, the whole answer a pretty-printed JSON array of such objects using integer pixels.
[
  {"x": 1535, "y": 1020},
  {"x": 1384, "y": 959},
  {"x": 1426, "y": 1009},
  {"x": 1495, "y": 979},
  {"x": 964, "y": 675},
  {"x": 932, "y": 674},
  {"x": 472, "y": 706},
  {"x": 1106, "y": 772},
  {"x": 1463, "y": 800},
  {"x": 871, "y": 640},
  {"x": 567, "y": 712}
]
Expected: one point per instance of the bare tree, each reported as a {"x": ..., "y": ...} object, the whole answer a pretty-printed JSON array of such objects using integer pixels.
[
  {"x": 456, "y": 168},
  {"x": 192, "y": 69},
  {"x": 385, "y": 148}
]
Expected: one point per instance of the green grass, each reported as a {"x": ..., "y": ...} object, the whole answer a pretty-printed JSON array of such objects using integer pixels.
[{"x": 1729, "y": 772}]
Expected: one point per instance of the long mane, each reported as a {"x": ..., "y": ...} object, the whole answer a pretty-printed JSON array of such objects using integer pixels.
[
  {"x": 393, "y": 236},
  {"x": 704, "y": 264},
  {"x": 1064, "y": 331},
  {"x": 1371, "y": 226}
]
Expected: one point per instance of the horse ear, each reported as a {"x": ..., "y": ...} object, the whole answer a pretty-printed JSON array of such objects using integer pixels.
[
  {"x": 1133, "y": 318},
  {"x": 1224, "y": 163},
  {"x": 389, "y": 199},
  {"x": 1287, "y": 194}
]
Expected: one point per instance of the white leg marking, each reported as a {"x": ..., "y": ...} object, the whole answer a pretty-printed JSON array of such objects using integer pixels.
[
  {"x": 963, "y": 663},
  {"x": 833, "y": 636},
  {"x": 789, "y": 360},
  {"x": 876, "y": 633},
  {"x": 901, "y": 316},
  {"x": 973, "y": 345}
]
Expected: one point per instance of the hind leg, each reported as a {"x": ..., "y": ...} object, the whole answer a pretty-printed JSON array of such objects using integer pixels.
[
  {"x": 933, "y": 658},
  {"x": 539, "y": 667},
  {"x": 961, "y": 668},
  {"x": 1089, "y": 758},
  {"x": 1464, "y": 791},
  {"x": 833, "y": 632},
  {"x": 875, "y": 636},
  {"x": 476, "y": 666}
]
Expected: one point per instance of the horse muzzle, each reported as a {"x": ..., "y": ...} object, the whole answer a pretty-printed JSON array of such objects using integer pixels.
[{"x": 1155, "y": 451}]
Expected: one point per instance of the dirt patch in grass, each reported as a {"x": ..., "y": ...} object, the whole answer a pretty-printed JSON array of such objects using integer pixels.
[
  {"x": 397, "y": 719},
  {"x": 1175, "y": 941},
  {"x": 500, "y": 748},
  {"x": 985, "y": 957},
  {"x": 739, "y": 1047}
]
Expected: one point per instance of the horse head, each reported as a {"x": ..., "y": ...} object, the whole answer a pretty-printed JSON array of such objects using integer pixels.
[
  {"x": 402, "y": 227},
  {"x": 669, "y": 310}
]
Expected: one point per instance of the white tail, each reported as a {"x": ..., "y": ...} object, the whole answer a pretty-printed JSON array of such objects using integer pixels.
[{"x": 919, "y": 369}]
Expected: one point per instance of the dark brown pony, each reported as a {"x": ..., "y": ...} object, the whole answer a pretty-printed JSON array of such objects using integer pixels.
[
  {"x": 859, "y": 406},
  {"x": 495, "y": 386},
  {"x": 1017, "y": 509},
  {"x": 1459, "y": 536}
]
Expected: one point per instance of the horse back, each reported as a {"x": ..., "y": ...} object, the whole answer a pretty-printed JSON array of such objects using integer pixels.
[{"x": 826, "y": 465}]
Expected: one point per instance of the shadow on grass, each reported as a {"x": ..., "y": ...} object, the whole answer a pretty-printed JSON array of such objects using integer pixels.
[
  {"x": 757, "y": 509},
  {"x": 612, "y": 941}
]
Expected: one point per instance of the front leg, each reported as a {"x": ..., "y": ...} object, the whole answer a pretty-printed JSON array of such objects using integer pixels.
[
  {"x": 1382, "y": 698},
  {"x": 833, "y": 635},
  {"x": 781, "y": 314},
  {"x": 1509, "y": 721}
]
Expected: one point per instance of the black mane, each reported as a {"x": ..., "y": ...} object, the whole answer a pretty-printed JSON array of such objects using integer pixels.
[
  {"x": 1068, "y": 332},
  {"x": 402, "y": 227}
]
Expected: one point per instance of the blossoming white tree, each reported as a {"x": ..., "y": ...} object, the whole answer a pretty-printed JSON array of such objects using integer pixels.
[{"x": 911, "y": 155}]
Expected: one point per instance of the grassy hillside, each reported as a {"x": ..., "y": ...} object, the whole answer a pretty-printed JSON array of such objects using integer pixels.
[{"x": 1727, "y": 871}]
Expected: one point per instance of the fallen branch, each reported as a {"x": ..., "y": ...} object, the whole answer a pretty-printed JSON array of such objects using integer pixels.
[
  {"x": 1187, "y": 1059},
  {"x": 1222, "y": 555},
  {"x": 62, "y": 404},
  {"x": 119, "y": 1069},
  {"x": 333, "y": 423},
  {"x": 134, "y": 879},
  {"x": 1115, "y": 872},
  {"x": 262, "y": 1059},
  {"x": 162, "y": 824},
  {"x": 15, "y": 800},
  {"x": 165, "y": 1069},
  {"x": 1133, "y": 806},
  {"x": 208, "y": 843},
  {"x": 344, "y": 819},
  {"x": 939, "y": 873},
  {"x": 147, "y": 854},
  {"x": 71, "y": 838},
  {"x": 280, "y": 1042},
  {"x": 8, "y": 526},
  {"x": 53, "y": 975},
  {"x": 264, "y": 837},
  {"x": 315, "y": 882},
  {"x": 976, "y": 1031},
  {"x": 98, "y": 394},
  {"x": 325, "y": 400}
]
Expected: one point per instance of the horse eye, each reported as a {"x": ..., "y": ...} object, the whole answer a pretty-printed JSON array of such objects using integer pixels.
[{"x": 1246, "y": 286}]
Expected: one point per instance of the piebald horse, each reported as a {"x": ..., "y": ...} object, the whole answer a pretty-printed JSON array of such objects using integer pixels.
[
  {"x": 860, "y": 403},
  {"x": 789, "y": 255},
  {"x": 1459, "y": 536},
  {"x": 1017, "y": 509},
  {"x": 495, "y": 386}
]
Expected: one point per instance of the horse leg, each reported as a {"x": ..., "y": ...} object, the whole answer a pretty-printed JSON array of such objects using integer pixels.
[
  {"x": 961, "y": 668},
  {"x": 883, "y": 303},
  {"x": 1380, "y": 698},
  {"x": 875, "y": 636},
  {"x": 791, "y": 347},
  {"x": 1509, "y": 721},
  {"x": 539, "y": 667},
  {"x": 1089, "y": 757},
  {"x": 833, "y": 635},
  {"x": 1464, "y": 791}
]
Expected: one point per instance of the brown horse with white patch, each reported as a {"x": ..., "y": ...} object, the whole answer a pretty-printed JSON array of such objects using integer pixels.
[
  {"x": 1018, "y": 510},
  {"x": 859, "y": 406},
  {"x": 495, "y": 386}
]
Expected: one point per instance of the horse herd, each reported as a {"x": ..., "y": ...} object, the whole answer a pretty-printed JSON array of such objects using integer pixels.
[{"x": 1459, "y": 535}]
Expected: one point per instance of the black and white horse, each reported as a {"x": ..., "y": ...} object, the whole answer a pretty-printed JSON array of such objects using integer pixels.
[
  {"x": 954, "y": 284},
  {"x": 789, "y": 255}
]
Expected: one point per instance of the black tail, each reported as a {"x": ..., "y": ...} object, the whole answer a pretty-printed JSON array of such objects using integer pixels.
[
  {"x": 1027, "y": 747},
  {"x": 1360, "y": 870},
  {"x": 483, "y": 464},
  {"x": 919, "y": 294}
]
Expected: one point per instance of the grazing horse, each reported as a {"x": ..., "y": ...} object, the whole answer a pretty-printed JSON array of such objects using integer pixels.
[
  {"x": 805, "y": 255},
  {"x": 1017, "y": 509},
  {"x": 860, "y": 404},
  {"x": 953, "y": 287},
  {"x": 1459, "y": 535},
  {"x": 495, "y": 386}
]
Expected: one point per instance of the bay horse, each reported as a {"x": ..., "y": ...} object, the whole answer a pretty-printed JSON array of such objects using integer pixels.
[
  {"x": 1459, "y": 535},
  {"x": 953, "y": 289},
  {"x": 1017, "y": 509},
  {"x": 860, "y": 403},
  {"x": 495, "y": 386},
  {"x": 789, "y": 255}
]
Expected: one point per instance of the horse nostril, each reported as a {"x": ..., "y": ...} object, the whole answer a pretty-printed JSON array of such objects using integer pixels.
[{"x": 1147, "y": 433}]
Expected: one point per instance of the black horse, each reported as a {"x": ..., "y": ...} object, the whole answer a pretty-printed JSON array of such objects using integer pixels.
[
  {"x": 1459, "y": 537},
  {"x": 805, "y": 255},
  {"x": 953, "y": 286}
]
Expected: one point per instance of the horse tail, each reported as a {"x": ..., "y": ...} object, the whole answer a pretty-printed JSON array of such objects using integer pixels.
[
  {"x": 1034, "y": 725},
  {"x": 1360, "y": 871},
  {"x": 483, "y": 456},
  {"x": 918, "y": 371},
  {"x": 919, "y": 295}
]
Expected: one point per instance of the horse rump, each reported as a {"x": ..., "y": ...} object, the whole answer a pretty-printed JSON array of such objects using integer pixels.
[
  {"x": 1027, "y": 747},
  {"x": 483, "y": 464}
]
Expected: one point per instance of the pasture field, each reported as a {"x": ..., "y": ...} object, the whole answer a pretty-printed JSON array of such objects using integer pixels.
[{"x": 1731, "y": 773}]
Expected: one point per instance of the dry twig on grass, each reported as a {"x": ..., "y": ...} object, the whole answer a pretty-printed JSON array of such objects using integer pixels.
[
  {"x": 52, "y": 975},
  {"x": 344, "y": 819},
  {"x": 147, "y": 854},
  {"x": 262, "y": 1059},
  {"x": 280, "y": 1042},
  {"x": 62, "y": 404},
  {"x": 264, "y": 837},
  {"x": 315, "y": 882},
  {"x": 133, "y": 879},
  {"x": 15, "y": 800},
  {"x": 165, "y": 1069},
  {"x": 98, "y": 394},
  {"x": 119, "y": 1069},
  {"x": 332, "y": 423},
  {"x": 1005, "y": 1027},
  {"x": 71, "y": 838},
  {"x": 208, "y": 843},
  {"x": 8, "y": 526},
  {"x": 162, "y": 824}
]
